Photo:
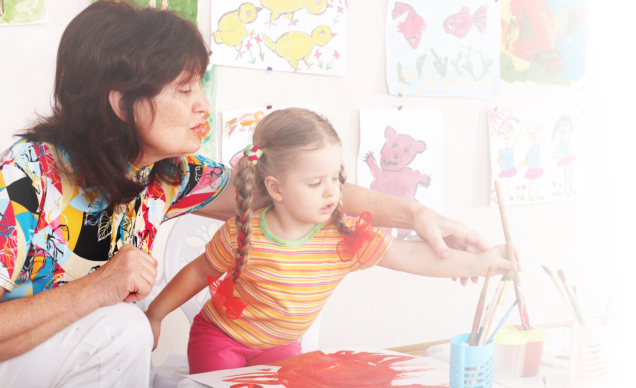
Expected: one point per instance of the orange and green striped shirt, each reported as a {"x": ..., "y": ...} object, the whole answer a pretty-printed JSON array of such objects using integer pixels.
[{"x": 285, "y": 283}]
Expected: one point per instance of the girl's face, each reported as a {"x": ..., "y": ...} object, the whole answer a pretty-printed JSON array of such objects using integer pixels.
[
  {"x": 564, "y": 129},
  {"x": 506, "y": 132},
  {"x": 179, "y": 109},
  {"x": 311, "y": 190}
]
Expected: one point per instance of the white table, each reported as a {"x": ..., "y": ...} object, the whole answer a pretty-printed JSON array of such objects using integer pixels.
[{"x": 553, "y": 365}]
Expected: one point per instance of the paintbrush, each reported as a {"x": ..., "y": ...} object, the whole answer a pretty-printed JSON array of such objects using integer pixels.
[
  {"x": 558, "y": 287},
  {"x": 545, "y": 382},
  {"x": 577, "y": 312},
  {"x": 501, "y": 323},
  {"x": 525, "y": 321},
  {"x": 488, "y": 315},
  {"x": 480, "y": 310},
  {"x": 609, "y": 302},
  {"x": 481, "y": 325},
  {"x": 497, "y": 310},
  {"x": 578, "y": 301}
]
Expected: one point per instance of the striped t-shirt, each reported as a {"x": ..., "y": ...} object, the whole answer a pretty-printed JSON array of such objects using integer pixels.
[{"x": 285, "y": 284}]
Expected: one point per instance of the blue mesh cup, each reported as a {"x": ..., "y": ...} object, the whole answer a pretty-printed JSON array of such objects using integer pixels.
[{"x": 470, "y": 366}]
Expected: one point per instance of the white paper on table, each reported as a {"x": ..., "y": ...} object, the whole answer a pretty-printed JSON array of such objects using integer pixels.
[
  {"x": 402, "y": 154},
  {"x": 306, "y": 36},
  {"x": 536, "y": 155},
  {"x": 399, "y": 369},
  {"x": 239, "y": 126}
]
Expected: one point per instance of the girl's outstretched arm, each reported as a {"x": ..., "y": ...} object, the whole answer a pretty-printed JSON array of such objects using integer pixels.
[
  {"x": 186, "y": 284},
  {"x": 418, "y": 257}
]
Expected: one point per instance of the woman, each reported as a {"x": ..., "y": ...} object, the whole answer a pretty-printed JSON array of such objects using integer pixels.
[{"x": 83, "y": 194}]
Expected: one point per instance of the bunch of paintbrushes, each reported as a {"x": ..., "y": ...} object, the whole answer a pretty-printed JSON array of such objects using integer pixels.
[
  {"x": 571, "y": 298},
  {"x": 487, "y": 324},
  {"x": 525, "y": 321}
]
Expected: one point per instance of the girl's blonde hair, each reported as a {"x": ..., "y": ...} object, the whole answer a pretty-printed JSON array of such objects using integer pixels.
[{"x": 281, "y": 136}]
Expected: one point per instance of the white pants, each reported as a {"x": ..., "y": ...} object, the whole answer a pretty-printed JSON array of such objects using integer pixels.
[{"x": 110, "y": 347}]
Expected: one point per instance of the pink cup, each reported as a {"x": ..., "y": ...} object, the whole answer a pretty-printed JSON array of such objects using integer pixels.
[{"x": 593, "y": 355}]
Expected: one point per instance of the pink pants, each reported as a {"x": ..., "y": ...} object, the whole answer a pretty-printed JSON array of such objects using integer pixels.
[{"x": 210, "y": 349}]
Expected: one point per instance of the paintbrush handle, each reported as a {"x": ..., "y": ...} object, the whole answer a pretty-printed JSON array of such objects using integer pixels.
[
  {"x": 511, "y": 256},
  {"x": 496, "y": 316},
  {"x": 569, "y": 305},
  {"x": 501, "y": 323},
  {"x": 609, "y": 305},
  {"x": 580, "y": 306},
  {"x": 570, "y": 293}
]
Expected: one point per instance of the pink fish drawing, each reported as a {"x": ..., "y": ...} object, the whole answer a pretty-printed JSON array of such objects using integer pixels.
[
  {"x": 412, "y": 26},
  {"x": 460, "y": 23}
]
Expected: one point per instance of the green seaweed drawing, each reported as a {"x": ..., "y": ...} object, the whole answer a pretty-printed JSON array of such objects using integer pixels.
[
  {"x": 400, "y": 76},
  {"x": 486, "y": 64},
  {"x": 441, "y": 65},
  {"x": 456, "y": 62},
  {"x": 187, "y": 9},
  {"x": 419, "y": 65},
  {"x": 22, "y": 11}
]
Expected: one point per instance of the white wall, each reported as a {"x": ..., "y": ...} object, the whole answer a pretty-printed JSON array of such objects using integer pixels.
[{"x": 379, "y": 308}]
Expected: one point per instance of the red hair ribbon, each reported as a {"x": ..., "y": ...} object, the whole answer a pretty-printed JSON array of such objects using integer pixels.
[
  {"x": 361, "y": 233},
  {"x": 222, "y": 292}
]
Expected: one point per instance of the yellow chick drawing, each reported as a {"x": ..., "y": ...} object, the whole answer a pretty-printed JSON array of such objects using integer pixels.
[
  {"x": 296, "y": 46},
  {"x": 232, "y": 25},
  {"x": 288, "y": 7}
]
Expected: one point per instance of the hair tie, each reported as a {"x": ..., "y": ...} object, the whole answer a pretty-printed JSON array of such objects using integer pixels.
[{"x": 253, "y": 153}]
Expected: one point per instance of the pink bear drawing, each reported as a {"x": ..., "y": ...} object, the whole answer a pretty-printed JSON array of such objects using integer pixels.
[{"x": 394, "y": 177}]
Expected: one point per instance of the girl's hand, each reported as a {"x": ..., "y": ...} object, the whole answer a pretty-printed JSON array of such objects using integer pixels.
[
  {"x": 155, "y": 325},
  {"x": 497, "y": 257}
]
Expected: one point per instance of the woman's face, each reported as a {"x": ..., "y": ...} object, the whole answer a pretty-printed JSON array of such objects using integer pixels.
[
  {"x": 564, "y": 129},
  {"x": 506, "y": 132},
  {"x": 179, "y": 110}
]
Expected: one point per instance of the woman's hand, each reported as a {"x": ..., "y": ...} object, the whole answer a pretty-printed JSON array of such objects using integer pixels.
[
  {"x": 497, "y": 257},
  {"x": 442, "y": 233},
  {"x": 155, "y": 325},
  {"x": 129, "y": 276}
]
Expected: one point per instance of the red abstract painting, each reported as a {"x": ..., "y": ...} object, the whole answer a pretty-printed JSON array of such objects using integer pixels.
[{"x": 336, "y": 370}]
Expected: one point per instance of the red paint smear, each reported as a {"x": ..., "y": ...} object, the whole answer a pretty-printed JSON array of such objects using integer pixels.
[
  {"x": 343, "y": 369},
  {"x": 525, "y": 321}
]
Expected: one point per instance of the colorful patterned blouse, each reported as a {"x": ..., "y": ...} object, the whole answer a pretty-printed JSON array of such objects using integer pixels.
[
  {"x": 52, "y": 231},
  {"x": 285, "y": 284}
]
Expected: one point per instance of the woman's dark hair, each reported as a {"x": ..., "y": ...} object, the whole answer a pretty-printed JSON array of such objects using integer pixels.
[
  {"x": 115, "y": 46},
  {"x": 565, "y": 119}
]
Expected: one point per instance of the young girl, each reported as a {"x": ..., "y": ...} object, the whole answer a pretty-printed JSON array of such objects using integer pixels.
[
  {"x": 281, "y": 263},
  {"x": 505, "y": 156},
  {"x": 533, "y": 159},
  {"x": 564, "y": 127}
]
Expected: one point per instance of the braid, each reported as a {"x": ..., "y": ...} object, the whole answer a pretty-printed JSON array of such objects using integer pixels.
[
  {"x": 243, "y": 184},
  {"x": 338, "y": 213}
]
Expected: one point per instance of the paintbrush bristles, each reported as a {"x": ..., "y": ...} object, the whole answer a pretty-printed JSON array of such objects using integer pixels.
[
  {"x": 546, "y": 269},
  {"x": 561, "y": 275},
  {"x": 510, "y": 275}
]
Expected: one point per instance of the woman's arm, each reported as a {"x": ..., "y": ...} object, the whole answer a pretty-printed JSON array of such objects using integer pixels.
[
  {"x": 394, "y": 212},
  {"x": 27, "y": 322},
  {"x": 418, "y": 257},
  {"x": 186, "y": 284}
]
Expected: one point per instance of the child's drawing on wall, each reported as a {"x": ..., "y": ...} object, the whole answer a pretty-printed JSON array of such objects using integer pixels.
[
  {"x": 442, "y": 48},
  {"x": 401, "y": 154},
  {"x": 505, "y": 156},
  {"x": 239, "y": 126},
  {"x": 536, "y": 133},
  {"x": 562, "y": 152},
  {"x": 394, "y": 176},
  {"x": 531, "y": 147},
  {"x": 306, "y": 36}
]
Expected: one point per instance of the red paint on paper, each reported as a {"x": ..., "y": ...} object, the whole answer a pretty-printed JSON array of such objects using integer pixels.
[{"x": 337, "y": 370}]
